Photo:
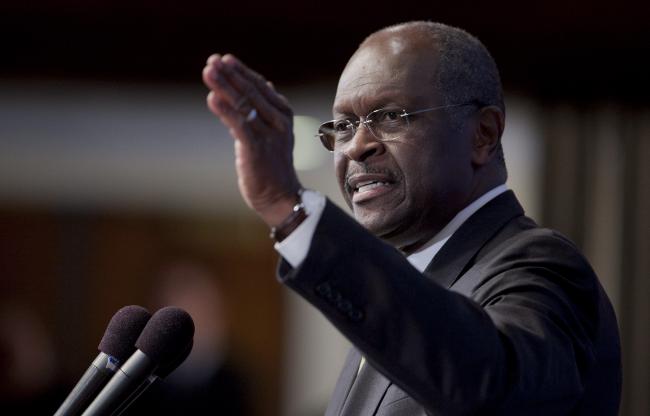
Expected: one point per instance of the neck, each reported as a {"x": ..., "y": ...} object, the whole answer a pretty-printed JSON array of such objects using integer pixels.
[{"x": 472, "y": 205}]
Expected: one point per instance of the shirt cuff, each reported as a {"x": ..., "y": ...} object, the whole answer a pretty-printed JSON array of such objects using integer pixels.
[{"x": 295, "y": 246}]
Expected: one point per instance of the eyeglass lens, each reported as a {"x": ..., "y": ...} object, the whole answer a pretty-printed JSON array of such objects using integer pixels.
[{"x": 384, "y": 124}]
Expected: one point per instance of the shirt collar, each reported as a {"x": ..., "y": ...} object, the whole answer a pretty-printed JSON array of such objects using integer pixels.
[{"x": 421, "y": 258}]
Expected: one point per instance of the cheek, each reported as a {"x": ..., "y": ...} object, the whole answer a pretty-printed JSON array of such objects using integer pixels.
[
  {"x": 340, "y": 167},
  {"x": 422, "y": 180},
  {"x": 417, "y": 164},
  {"x": 429, "y": 170}
]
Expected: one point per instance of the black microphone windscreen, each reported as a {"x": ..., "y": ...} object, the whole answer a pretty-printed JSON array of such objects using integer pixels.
[
  {"x": 123, "y": 330},
  {"x": 166, "y": 368},
  {"x": 166, "y": 335}
]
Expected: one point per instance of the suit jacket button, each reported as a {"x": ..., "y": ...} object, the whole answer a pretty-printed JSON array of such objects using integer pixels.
[
  {"x": 355, "y": 315},
  {"x": 344, "y": 306},
  {"x": 324, "y": 289}
]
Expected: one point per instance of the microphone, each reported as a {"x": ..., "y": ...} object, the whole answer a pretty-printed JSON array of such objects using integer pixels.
[
  {"x": 115, "y": 347},
  {"x": 163, "y": 340},
  {"x": 160, "y": 373}
]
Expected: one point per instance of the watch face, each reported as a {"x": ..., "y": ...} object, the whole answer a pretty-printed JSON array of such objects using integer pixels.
[{"x": 292, "y": 222}]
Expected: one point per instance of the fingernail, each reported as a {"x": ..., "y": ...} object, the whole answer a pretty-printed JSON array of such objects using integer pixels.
[
  {"x": 228, "y": 61},
  {"x": 213, "y": 59}
]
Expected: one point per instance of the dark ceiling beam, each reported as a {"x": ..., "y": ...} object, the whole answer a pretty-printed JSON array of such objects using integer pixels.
[{"x": 553, "y": 48}]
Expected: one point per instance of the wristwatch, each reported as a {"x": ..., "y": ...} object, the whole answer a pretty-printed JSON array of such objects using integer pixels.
[{"x": 286, "y": 227}]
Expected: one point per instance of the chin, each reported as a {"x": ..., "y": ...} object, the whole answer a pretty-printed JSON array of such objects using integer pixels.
[
  {"x": 379, "y": 224},
  {"x": 395, "y": 229}
]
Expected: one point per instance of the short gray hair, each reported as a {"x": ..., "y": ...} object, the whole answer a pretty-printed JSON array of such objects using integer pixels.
[{"x": 466, "y": 72}]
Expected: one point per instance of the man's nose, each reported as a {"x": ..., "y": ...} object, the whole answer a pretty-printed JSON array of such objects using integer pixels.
[{"x": 363, "y": 145}]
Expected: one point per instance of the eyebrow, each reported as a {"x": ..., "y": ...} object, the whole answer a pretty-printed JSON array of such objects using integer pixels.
[
  {"x": 389, "y": 94},
  {"x": 382, "y": 96},
  {"x": 357, "y": 106}
]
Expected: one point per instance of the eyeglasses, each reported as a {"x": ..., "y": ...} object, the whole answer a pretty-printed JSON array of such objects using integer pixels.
[{"x": 383, "y": 124}]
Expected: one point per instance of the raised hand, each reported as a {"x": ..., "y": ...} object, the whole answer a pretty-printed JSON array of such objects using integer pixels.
[{"x": 261, "y": 122}]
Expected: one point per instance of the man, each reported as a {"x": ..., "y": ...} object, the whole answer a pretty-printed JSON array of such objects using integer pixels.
[{"x": 487, "y": 313}]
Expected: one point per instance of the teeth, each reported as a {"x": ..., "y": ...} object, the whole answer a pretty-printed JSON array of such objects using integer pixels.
[{"x": 366, "y": 186}]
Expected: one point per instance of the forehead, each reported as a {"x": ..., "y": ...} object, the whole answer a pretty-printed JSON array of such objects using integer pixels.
[{"x": 386, "y": 73}]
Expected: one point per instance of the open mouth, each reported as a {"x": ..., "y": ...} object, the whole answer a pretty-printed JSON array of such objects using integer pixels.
[
  {"x": 364, "y": 187},
  {"x": 369, "y": 185}
]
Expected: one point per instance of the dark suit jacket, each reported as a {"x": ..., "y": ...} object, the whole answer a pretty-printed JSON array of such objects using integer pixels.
[{"x": 508, "y": 319}]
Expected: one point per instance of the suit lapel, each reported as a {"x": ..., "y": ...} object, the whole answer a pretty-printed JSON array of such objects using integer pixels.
[
  {"x": 366, "y": 393},
  {"x": 452, "y": 259},
  {"x": 359, "y": 395},
  {"x": 344, "y": 383}
]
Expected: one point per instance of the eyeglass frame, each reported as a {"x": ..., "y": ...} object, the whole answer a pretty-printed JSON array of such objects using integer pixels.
[{"x": 355, "y": 124}]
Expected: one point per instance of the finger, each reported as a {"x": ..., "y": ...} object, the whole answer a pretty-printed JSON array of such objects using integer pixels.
[
  {"x": 234, "y": 65},
  {"x": 266, "y": 87},
  {"x": 232, "y": 87},
  {"x": 280, "y": 96},
  {"x": 234, "y": 119},
  {"x": 222, "y": 87},
  {"x": 214, "y": 67},
  {"x": 215, "y": 104},
  {"x": 271, "y": 114},
  {"x": 211, "y": 69},
  {"x": 265, "y": 109},
  {"x": 213, "y": 58},
  {"x": 223, "y": 110},
  {"x": 223, "y": 90},
  {"x": 214, "y": 78}
]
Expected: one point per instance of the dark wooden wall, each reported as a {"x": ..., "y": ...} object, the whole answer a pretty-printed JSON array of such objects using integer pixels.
[{"x": 74, "y": 270}]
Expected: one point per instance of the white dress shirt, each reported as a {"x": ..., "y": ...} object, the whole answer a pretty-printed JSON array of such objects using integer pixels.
[{"x": 294, "y": 248}]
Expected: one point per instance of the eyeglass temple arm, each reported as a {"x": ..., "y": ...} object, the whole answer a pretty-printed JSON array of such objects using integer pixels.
[{"x": 440, "y": 107}]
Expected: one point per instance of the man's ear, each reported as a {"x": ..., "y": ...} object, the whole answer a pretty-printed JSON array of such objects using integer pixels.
[{"x": 487, "y": 135}]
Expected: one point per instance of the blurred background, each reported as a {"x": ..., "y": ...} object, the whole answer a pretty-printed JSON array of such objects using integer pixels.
[{"x": 117, "y": 186}]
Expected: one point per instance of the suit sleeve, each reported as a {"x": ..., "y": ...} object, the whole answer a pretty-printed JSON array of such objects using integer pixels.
[{"x": 522, "y": 341}]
